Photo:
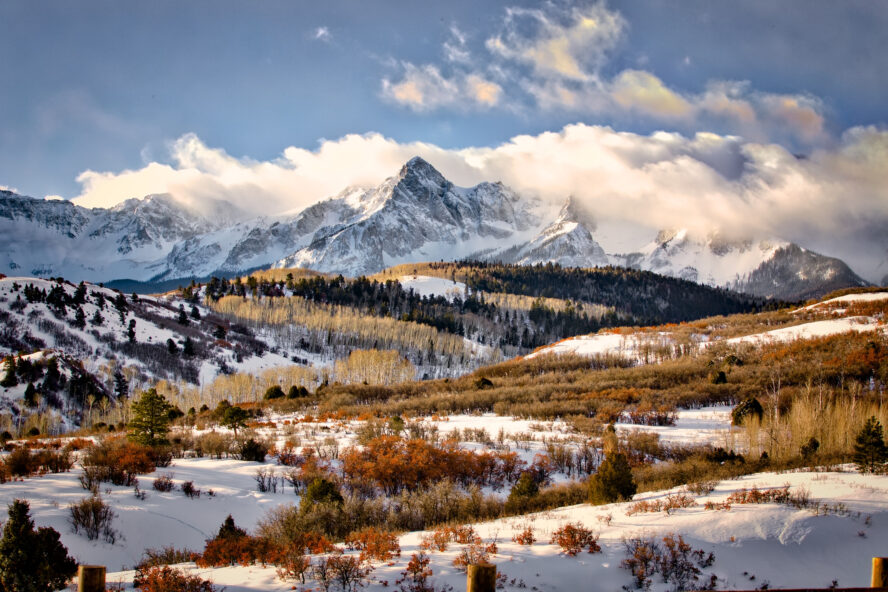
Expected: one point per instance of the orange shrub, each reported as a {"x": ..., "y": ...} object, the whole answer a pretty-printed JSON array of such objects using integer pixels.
[
  {"x": 374, "y": 544},
  {"x": 392, "y": 464},
  {"x": 525, "y": 537},
  {"x": 441, "y": 537},
  {"x": 573, "y": 537},
  {"x": 167, "y": 579}
]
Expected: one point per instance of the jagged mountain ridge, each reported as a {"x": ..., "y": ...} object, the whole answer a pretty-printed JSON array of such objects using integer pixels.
[{"x": 416, "y": 215}]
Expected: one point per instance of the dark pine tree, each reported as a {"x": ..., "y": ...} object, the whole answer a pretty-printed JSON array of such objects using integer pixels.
[
  {"x": 870, "y": 451},
  {"x": 613, "y": 480},
  {"x": 32, "y": 561}
]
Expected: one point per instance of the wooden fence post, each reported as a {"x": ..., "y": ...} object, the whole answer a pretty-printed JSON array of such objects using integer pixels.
[
  {"x": 91, "y": 578},
  {"x": 481, "y": 578},
  {"x": 880, "y": 572}
]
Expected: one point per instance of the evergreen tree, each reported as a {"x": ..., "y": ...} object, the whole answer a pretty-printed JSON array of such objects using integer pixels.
[
  {"x": 52, "y": 377},
  {"x": 613, "y": 480},
  {"x": 183, "y": 318},
  {"x": 131, "y": 331},
  {"x": 870, "y": 451},
  {"x": 30, "y": 395},
  {"x": 32, "y": 561},
  {"x": 195, "y": 313},
  {"x": 219, "y": 332},
  {"x": 9, "y": 380},
  {"x": 80, "y": 294},
  {"x": 79, "y": 318},
  {"x": 523, "y": 493},
  {"x": 748, "y": 408},
  {"x": 188, "y": 348},
  {"x": 120, "y": 303},
  {"x": 230, "y": 530},
  {"x": 320, "y": 491},
  {"x": 274, "y": 392},
  {"x": 121, "y": 386},
  {"x": 151, "y": 421},
  {"x": 234, "y": 417},
  {"x": 171, "y": 346},
  {"x": 97, "y": 319}
]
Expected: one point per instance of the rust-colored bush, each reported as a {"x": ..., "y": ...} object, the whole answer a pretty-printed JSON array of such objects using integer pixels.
[
  {"x": 166, "y": 579},
  {"x": 574, "y": 537},
  {"x": 525, "y": 537},
  {"x": 374, "y": 544}
]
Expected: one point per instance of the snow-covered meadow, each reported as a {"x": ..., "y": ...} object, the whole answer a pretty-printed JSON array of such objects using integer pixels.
[{"x": 753, "y": 544}]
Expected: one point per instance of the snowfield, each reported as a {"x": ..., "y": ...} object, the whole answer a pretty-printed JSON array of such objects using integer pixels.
[
  {"x": 773, "y": 543},
  {"x": 424, "y": 285},
  {"x": 639, "y": 346}
]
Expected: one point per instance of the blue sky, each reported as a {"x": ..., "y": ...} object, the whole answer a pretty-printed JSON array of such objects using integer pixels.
[{"x": 107, "y": 85}]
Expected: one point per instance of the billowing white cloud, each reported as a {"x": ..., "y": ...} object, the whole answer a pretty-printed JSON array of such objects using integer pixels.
[{"x": 835, "y": 200}]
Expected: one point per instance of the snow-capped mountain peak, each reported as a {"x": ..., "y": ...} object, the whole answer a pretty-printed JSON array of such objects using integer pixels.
[{"x": 414, "y": 215}]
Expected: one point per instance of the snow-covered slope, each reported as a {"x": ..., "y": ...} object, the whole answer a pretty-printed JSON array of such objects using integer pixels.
[
  {"x": 94, "y": 328},
  {"x": 776, "y": 544},
  {"x": 645, "y": 346}
]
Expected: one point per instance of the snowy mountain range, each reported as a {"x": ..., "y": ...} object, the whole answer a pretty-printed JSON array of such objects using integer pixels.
[{"x": 416, "y": 215}]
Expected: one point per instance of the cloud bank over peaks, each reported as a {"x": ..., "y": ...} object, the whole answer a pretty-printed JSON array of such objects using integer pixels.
[{"x": 834, "y": 201}]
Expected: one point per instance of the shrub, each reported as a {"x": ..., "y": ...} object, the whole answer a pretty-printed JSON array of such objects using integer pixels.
[
  {"x": 678, "y": 562},
  {"x": 641, "y": 560},
  {"x": 164, "y": 556},
  {"x": 672, "y": 502},
  {"x": 374, "y": 544},
  {"x": 525, "y": 537},
  {"x": 348, "y": 572},
  {"x": 32, "y": 560},
  {"x": 21, "y": 463},
  {"x": 267, "y": 480},
  {"x": 253, "y": 451},
  {"x": 221, "y": 552},
  {"x": 473, "y": 553},
  {"x": 164, "y": 483},
  {"x": 441, "y": 537},
  {"x": 94, "y": 517},
  {"x": 416, "y": 577},
  {"x": 166, "y": 579},
  {"x": 573, "y": 538},
  {"x": 674, "y": 559},
  {"x": 117, "y": 461},
  {"x": 55, "y": 461},
  {"x": 190, "y": 490},
  {"x": 293, "y": 564}
]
